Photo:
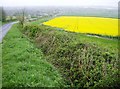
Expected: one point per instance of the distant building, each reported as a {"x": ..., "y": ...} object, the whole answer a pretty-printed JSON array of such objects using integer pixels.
[{"x": 32, "y": 19}]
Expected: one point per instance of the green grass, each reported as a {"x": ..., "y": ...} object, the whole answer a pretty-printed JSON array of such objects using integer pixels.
[
  {"x": 0, "y": 23},
  {"x": 3, "y": 23},
  {"x": 38, "y": 22},
  {"x": 23, "y": 65},
  {"x": 110, "y": 44}
]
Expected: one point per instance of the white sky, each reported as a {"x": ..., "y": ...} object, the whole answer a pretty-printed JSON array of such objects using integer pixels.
[{"x": 112, "y": 3}]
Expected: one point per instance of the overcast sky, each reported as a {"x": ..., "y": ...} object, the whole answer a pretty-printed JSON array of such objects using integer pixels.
[{"x": 112, "y": 3}]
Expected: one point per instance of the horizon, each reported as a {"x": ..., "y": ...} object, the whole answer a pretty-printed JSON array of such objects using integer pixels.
[{"x": 97, "y": 7}]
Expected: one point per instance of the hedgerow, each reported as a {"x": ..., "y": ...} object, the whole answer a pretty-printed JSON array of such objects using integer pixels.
[{"x": 81, "y": 64}]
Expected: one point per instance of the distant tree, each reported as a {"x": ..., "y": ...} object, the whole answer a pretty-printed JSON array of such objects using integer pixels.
[
  {"x": 21, "y": 17},
  {"x": 11, "y": 18},
  {"x": 3, "y": 14}
]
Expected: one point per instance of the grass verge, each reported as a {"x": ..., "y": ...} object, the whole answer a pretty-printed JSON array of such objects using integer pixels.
[{"x": 24, "y": 65}]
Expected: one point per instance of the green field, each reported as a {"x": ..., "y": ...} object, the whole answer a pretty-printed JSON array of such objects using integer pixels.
[{"x": 23, "y": 65}]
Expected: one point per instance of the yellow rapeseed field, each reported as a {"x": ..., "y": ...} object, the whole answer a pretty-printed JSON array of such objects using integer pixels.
[{"x": 93, "y": 25}]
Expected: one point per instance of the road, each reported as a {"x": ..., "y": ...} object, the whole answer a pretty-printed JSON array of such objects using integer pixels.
[{"x": 4, "y": 29}]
